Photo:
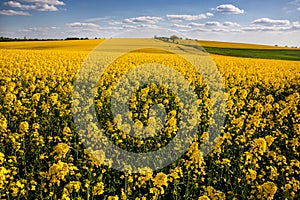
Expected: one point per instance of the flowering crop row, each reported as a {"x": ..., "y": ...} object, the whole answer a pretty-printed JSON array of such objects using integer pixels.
[{"x": 43, "y": 157}]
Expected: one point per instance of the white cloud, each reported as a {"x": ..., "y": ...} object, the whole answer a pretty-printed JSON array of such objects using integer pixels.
[
  {"x": 186, "y": 17},
  {"x": 191, "y": 26},
  {"x": 194, "y": 24},
  {"x": 113, "y": 23},
  {"x": 38, "y": 5},
  {"x": 212, "y": 24},
  {"x": 231, "y": 24},
  {"x": 13, "y": 4},
  {"x": 129, "y": 26},
  {"x": 270, "y": 22},
  {"x": 142, "y": 19},
  {"x": 46, "y": 7},
  {"x": 296, "y": 26},
  {"x": 148, "y": 26},
  {"x": 13, "y": 13},
  {"x": 270, "y": 25},
  {"x": 269, "y": 29},
  {"x": 298, "y": 8},
  {"x": 137, "y": 26},
  {"x": 229, "y": 9},
  {"x": 50, "y": 2},
  {"x": 189, "y": 17},
  {"x": 181, "y": 26},
  {"x": 82, "y": 25},
  {"x": 209, "y": 14},
  {"x": 220, "y": 30},
  {"x": 89, "y": 27}
]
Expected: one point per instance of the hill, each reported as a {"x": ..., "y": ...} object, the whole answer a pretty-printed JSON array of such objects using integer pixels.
[{"x": 251, "y": 50}]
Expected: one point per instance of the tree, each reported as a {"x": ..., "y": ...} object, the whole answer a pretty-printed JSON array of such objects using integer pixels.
[{"x": 174, "y": 37}]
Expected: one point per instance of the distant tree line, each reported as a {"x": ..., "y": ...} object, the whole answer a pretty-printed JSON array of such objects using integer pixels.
[
  {"x": 172, "y": 38},
  {"x": 77, "y": 38},
  {"x": 167, "y": 39},
  {"x": 7, "y": 39},
  {"x": 287, "y": 46}
]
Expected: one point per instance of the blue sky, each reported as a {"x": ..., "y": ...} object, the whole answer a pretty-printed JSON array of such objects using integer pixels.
[{"x": 256, "y": 21}]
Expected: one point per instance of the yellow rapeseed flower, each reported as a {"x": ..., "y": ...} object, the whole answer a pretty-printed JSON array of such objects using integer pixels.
[
  {"x": 267, "y": 190},
  {"x": 204, "y": 197},
  {"x": 98, "y": 189},
  {"x": 160, "y": 179},
  {"x": 24, "y": 127},
  {"x": 259, "y": 146},
  {"x": 113, "y": 197},
  {"x": 61, "y": 149}
]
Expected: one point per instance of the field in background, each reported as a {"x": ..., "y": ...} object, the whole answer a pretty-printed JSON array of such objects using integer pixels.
[
  {"x": 251, "y": 50},
  {"x": 276, "y": 54},
  {"x": 42, "y": 157},
  {"x": 68, "y": 45},
  {"x": 234, "y": 45}
]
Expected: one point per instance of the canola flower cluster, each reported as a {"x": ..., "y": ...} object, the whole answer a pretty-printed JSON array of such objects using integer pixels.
[{"x": 43, "y": 157}]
